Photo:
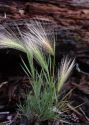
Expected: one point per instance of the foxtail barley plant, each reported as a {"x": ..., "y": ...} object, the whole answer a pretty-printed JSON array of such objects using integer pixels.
[{"x": 44, "y": 96}]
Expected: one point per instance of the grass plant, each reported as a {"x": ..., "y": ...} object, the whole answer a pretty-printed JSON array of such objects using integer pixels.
[{"x": 42, "y": 102}]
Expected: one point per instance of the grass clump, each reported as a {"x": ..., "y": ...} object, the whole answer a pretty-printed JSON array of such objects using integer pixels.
[{"x": 42, "y": 102}]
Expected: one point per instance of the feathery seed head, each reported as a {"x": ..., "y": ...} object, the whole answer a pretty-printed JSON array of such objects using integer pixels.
[
  {"x": 65, "y": 70},
  {"x": 34, "y": 37}
]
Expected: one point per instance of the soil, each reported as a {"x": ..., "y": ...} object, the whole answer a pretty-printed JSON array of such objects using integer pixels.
[{"x": 70, "y": 21}]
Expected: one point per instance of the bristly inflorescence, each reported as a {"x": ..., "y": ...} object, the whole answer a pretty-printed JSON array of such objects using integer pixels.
[{"x": 32, "y": 38}]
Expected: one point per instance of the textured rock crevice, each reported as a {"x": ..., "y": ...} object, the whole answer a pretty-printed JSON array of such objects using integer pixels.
[{"x": 70, "y": 19}]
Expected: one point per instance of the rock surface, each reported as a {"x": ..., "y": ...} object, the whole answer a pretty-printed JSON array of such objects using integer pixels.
[{"x": 70, "y": 19}]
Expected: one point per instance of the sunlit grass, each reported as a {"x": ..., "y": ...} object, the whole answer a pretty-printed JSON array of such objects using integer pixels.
[
  {"x": 44, "y": 96},
  {"x": 7, "y": 41},
  {"x": 46, "y": 85},
  {"x": 38, "y": 37},
  {"x": 64, "y": 71}
]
